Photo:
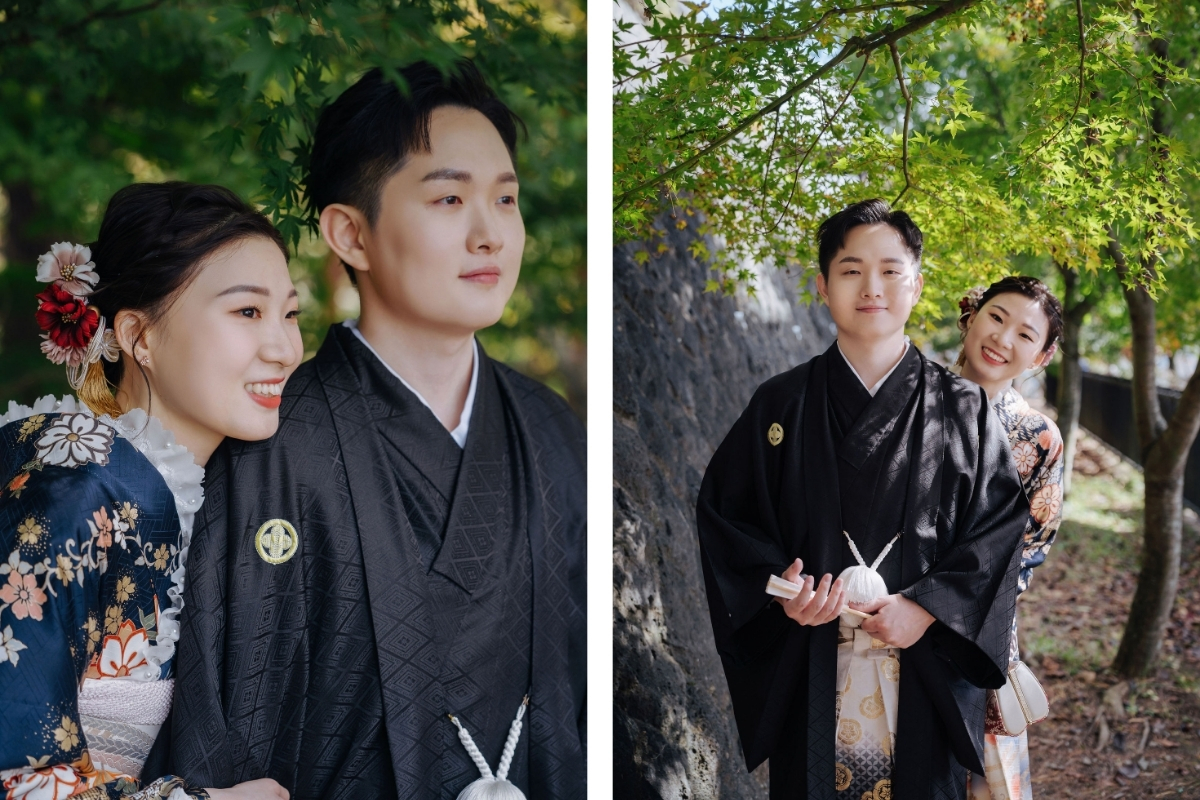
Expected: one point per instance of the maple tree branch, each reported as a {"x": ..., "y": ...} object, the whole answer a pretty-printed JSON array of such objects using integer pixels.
[
  {"x": 833, "y": 12},
  {"x": 907, "y": 118},
  {"x": 855, "y": 44},
  {"x": 109, "y": 13},
  {"x": 1079, "y": 95},
  {"x": 816, "y": 140}
]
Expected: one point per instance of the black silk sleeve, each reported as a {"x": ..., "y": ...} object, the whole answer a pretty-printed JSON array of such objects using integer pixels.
[
  {"x": 971, "y": 589},
  {"x": 736, "y": 513}
]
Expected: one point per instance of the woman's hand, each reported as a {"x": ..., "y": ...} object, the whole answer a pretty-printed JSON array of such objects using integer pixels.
[
  {"x": 809, "y": 607},
  {"x": 896, "y": 620},
  {"x": 261, "y": 789}
]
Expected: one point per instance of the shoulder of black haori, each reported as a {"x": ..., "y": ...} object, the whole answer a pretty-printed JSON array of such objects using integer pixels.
[
  {"x": 965, "y": 402},
  {"x": 776, "y": 396},
  {"x": 547, "y": 414}
]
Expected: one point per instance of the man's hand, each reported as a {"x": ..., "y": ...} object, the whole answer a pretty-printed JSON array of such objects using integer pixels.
[
  {"x": 261, "y": 789},
  {"x": 809, "y": 607},
  {"x": 896, "y": 620}
]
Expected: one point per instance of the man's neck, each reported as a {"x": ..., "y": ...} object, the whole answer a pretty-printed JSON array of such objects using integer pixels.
[
  {"x": 436, "y": 364},
  {"x": 872, "y": 358}
]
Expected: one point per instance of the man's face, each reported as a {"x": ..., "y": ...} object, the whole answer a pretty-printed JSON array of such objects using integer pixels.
[
  {"x": 873, "y": 283},
  {"x": 446, "y": 249}
]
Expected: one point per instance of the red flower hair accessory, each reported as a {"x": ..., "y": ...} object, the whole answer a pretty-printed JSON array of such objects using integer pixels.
[
  {"x": 968, "y": 305},
  {"x": 75, "y": 333},
  {"x": 69, "y": 324}
]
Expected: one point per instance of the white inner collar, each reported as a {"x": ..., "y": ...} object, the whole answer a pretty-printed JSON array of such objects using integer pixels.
[
  {"x": 459, "y": 433},
  {"x": 871, "y": 390}
]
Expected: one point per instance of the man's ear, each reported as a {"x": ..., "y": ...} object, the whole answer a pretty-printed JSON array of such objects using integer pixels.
[
  {"x": 823, "y": 288},
  {"x": 920, "y": 284},
  {"x": 344, "y": 229}
]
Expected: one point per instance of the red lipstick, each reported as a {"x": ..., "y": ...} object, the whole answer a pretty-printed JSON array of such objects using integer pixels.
[{"x": 265, "y": 400}]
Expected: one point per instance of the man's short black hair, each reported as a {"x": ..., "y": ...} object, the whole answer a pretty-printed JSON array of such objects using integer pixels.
[
  {"x": 831, "y": 236},
  {"x": 366, "y": 135}
]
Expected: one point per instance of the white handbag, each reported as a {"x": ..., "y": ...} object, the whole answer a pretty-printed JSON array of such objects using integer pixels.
[{"x": 1019, "y": 703}]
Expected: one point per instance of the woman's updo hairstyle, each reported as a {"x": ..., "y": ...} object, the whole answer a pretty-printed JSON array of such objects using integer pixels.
[
  {"x": 154, "y": 237},
  {"x": 1023, "y": 285}
]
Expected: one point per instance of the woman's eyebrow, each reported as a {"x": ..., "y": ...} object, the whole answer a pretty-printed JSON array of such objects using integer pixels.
[
  {"x": 245, "y": 287},
  {"x": 264, "y": 291}
]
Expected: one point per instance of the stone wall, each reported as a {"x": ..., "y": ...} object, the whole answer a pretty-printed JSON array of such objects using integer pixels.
[{"x": 685, "y": 364}]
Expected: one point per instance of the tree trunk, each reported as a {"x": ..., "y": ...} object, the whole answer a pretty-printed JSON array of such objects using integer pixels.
[
  {"x": 1164, "y": 462},
  {"x": 1165, "y": 447},
  {"x": 18, "y": 327},
  {"x": 1070, "y": 384}
]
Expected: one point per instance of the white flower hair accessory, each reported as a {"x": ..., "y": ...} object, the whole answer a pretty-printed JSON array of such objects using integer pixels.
[{"x": 71, "y": 266}]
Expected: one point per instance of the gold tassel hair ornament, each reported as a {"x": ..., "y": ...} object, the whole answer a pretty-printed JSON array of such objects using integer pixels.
[
  {"x": 489, "y": 786},
  {"x": 65, "y": 316},
  {"x": 93, "y": 388}
]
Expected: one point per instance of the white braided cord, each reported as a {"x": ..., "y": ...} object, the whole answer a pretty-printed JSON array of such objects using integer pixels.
[
  {"x": 854, "y": 549},
  {"x": 879, "y": 560},
  {"x": 510, "y": 744},
  {"x": 886, "y": 550},
  {"x": 480, "y": 762}
]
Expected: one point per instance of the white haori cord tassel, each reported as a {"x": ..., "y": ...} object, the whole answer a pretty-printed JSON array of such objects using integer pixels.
[
  {"x": 488, "y": 786},
  {"x": 862, "y": 583}
]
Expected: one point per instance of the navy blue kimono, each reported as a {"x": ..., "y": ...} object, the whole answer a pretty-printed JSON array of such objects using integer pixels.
[{"x": 91, "y": 541}]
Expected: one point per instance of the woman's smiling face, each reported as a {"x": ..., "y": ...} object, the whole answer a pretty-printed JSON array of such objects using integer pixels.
[
  {"x": 1006, "y": 337},
  {"x": 218, "y": 358}
]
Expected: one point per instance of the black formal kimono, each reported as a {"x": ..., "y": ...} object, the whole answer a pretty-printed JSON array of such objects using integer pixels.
[
  {"x": 412, "y": 579},
  {"x": 812, "y": 455}
]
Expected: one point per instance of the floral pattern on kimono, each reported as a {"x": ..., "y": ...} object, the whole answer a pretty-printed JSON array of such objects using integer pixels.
[
  {"x": 1037, "y": 450},
  {"x": 89, "y": 551}
]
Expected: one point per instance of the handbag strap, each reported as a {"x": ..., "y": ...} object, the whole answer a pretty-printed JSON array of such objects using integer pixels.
[{"x": 1016, "y": 684}]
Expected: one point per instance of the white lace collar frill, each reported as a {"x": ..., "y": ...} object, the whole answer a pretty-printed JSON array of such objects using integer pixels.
[{"x": 183, "y": 476}]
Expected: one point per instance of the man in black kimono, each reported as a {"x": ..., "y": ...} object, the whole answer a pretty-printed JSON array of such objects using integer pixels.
[
  {"x": 411, "y": 542},
  {"x": 872, "y": 439}
]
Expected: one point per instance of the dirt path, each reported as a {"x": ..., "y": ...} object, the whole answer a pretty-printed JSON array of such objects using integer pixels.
[{"x": 1107, "y": 738}]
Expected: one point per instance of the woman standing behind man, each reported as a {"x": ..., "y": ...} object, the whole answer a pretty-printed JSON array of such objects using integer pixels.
[{"x": 1012, "y": 326}]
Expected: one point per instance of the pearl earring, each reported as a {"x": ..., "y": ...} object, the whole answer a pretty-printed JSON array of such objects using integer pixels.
[{"x": 145, "y": 362}]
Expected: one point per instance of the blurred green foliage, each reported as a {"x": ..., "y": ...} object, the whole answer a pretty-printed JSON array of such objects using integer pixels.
[{"x": 95, "y": 94}]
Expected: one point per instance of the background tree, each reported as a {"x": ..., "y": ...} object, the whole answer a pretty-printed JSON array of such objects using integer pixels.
[
  {"x": 96, "y": 94},
  {"x": 1165, "y": 443}
]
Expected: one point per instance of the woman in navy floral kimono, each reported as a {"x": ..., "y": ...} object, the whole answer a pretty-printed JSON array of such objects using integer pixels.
[
  {"x": 1012, "y": 326},
  {"x": 177, "y": 328}
]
